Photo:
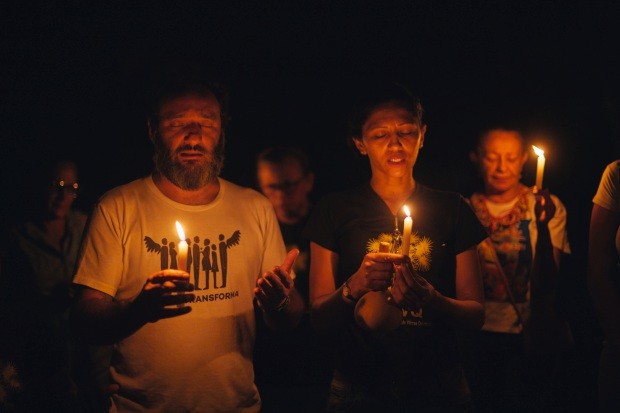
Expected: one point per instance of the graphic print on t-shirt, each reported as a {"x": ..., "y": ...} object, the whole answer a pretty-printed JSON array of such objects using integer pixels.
[
  {"x": 420, "y": 254},
  {"x": 206, "y": 262},
  {"x": 419, "y": 249}
]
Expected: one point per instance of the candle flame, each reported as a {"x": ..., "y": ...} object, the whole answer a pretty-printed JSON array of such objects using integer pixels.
[
  {"x": 538, "y": 151},
  {"x": 180, "y": 231},
  {"x": 406, "y": 210}
]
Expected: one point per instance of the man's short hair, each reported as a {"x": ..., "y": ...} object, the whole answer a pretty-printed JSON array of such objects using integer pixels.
[
  {"x": 181, "y": 85},
  {"x": 277, "y": 155}
]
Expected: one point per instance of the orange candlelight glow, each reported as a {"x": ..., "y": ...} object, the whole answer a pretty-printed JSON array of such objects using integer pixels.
[
  {"x": 407, "y": 231},
  {"x": 182, "y": 257},
  {"x": 539, "y": 167}
]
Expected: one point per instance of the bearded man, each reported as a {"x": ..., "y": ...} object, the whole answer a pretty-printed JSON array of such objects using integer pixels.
[{"x": 181, "y": 346}]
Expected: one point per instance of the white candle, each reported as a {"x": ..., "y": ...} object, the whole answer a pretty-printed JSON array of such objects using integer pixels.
[
  {"x": 540, "y": 167},
  {"x": 182, "y": 247},
  {"x": 407, "y": 231}
]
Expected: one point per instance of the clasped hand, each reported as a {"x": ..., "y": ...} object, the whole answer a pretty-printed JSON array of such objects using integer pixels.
[
  {"x": 374, "y": 274},
  {"x": 164, "y": 294},
  {"x": 381, "y": 270},
  {"x": 409, "y": 288}
]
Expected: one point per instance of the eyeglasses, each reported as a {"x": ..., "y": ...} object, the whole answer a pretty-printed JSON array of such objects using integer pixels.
[
  {"x": 286, "y": 186},
  {"x": 62, "y": 186}
]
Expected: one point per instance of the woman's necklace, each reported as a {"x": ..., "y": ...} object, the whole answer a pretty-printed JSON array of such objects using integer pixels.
[{"x": 494, "y": 224}]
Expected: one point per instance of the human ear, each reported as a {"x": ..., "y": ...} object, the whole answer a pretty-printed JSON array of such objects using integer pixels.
[
  {"x": 473, "y": 156},
  {"x": 359, "y": 144},
  {"x": 151, "y": 130},
  {"x": 310, "y": 178}
]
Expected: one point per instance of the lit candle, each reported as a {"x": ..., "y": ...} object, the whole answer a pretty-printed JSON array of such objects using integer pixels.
[
  {"x": 407, "y": 231},
  {"x": 540, "y": 167},
  {"x": 182, "y": 256}
]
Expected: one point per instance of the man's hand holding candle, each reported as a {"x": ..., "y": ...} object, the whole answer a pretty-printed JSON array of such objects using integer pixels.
[{"x": 162, "y": 295}]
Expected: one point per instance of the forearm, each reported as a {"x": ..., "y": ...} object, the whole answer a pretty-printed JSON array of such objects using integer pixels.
[
  {"x": 545, "y": 268},
  {"x": 467, "y": 314},
  {"x": 605, "y": 295},
  {"x": 330, "y": 312},
  {"x": 105, "y": 321},
  {"x": 603, "y": 271}
]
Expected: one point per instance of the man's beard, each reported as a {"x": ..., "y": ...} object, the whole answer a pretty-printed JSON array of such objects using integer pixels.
[{"x": 190, "y": 176}]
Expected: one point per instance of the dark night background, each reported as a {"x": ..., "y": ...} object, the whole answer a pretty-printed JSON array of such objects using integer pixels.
[{"x": 74, "y": 77}]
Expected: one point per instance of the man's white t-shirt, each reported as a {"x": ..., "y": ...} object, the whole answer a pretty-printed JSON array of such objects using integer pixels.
[{"x": 201, "y": 361}]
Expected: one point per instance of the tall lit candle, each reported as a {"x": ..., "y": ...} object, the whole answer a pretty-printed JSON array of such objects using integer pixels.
[
  {"x": 182, "y": 256},
  {"x": 540, "y": 167},
  {"x": 407, "y": 231}
]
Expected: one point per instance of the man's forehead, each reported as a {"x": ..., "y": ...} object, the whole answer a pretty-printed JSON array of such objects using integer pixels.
[{"x": 202, "y": 103}]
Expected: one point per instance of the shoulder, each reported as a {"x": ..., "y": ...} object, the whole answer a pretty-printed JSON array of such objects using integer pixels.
[
  {"x": 612, "y": 171},
  {"x": 438, "y": 195},
  {"x": 231, "y": 189},
  {"x": 77, "y": 218},
  {"x": 353, "y": 195},
  {"x": 126, "y": 189},
  {"x": 614, "y": 166},
  {"x": 238, "y": 196},
  {"x": 115, "y": 200}
]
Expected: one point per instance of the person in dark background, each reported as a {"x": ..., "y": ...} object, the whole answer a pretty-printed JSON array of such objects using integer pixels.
[
  {"x": 521, "y": 262},
  {"x": 604, "y": 282},
  {"x": 284, "y": 175},
  {"x": 38, "y": 259},
  {"x": 415, "y": 366},
  {"x": 177, "y": 348}
]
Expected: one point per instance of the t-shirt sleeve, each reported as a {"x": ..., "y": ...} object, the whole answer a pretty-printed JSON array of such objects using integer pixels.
[
  {"x": 99, "y": 266},
  {"x": 607, "y": 194}
]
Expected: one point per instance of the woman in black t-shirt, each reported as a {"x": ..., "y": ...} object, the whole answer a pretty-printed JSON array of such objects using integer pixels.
[{"x": 412, "y": 364}]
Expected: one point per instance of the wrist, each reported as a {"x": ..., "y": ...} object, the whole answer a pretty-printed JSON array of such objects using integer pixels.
[
  {"x": 347, "y": 295},
  {"x": 281, "y": 306}
]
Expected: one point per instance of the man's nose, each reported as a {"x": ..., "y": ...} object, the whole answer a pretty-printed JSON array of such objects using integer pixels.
[{"x": 193, "y": 128}]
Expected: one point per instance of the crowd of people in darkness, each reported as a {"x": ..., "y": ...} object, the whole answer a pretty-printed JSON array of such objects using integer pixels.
[{"x": 183, "y": 291}]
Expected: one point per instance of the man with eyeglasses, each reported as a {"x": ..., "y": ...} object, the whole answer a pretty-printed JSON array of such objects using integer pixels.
[
  {"x": 284, "y": 176},
  {"x": 36, "y": 293}
]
